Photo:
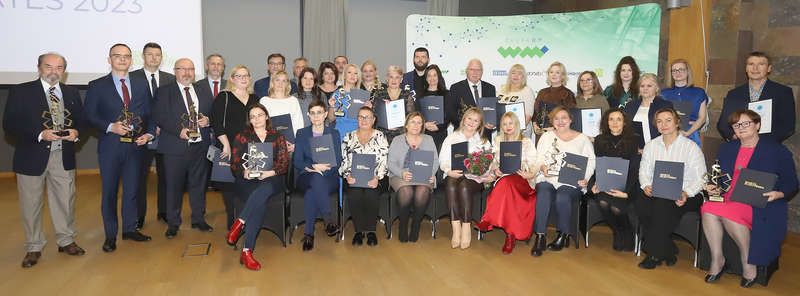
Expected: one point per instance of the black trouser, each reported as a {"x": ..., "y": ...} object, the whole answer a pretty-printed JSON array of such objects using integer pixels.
[
  {"x": 459, "y": 193},
  {"x": 363, "y": 204},
  {"x": 658, "y": 218},
  {"x": 188, "y": 170},
  {"x": 615, "y": 212},
  {"x": 141, "y": 194}
]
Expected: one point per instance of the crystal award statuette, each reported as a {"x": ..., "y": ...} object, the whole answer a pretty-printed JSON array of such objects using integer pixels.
[
  {"x": 718, "y": 179},
  {"x": 134, "y": 124},
  {"x": 255, "y": 160},
  {"x": 57, "y": 120},
  {"x": 342, "y": 103},
  {"x": 555, "y": 159}
]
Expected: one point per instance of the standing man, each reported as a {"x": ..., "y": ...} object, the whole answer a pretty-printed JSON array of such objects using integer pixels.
[
  {"x": 45, "y": 153},
  {"x": 299, "y": 64},
  {"x": 151, "y": 72},
  {"x": 185, "y": 137},
  {"x": 120, "y": 145},
  {"x": 465, "y": 93},
  {"x": 759, "y": 89},
  {"x": 214, "y": 82},
  {"x": 275, "y": 63},
  {"x": 415, "y": 79},
  {"x": 340, "y": 62}
]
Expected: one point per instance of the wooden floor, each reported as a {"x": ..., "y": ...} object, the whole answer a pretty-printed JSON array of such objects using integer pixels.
[{"x": 429, "y": 266}]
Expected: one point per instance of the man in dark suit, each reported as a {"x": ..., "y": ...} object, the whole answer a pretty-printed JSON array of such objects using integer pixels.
[
  {"x": 275, "y": 63},
  {"x": 214, "y": 82},
  {"x": 415, "y": 78},
  {"x": 760, "y": 88},
  {"x": 185, "y": 137},
  {"x": 45, "y": 153},
  {"x": 121, "y": 142},
  {"x": 151, "y": 54},
  {"x": 465, "y": 93}
]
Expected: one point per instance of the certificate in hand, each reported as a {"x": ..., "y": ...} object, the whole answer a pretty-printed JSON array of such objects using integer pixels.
[
  {"x": 668, "y": 179},
  {"x": 283, "y": 124},
  {"x": 517, "y": 108},
  {"x": 363, "y": 169},
  {"x": 751, "y": 186},
  {"x": 612, "y": 173},
  {"x": 220, "y": 168},
  {"x": 510, "y": 157},
  {"x": 432, "y": 108},
  {"x": 421, "y": 166},
  {"x": 358, "y": 97},
  {"x": 764, "y": 109},
  {"x": 322, "y": 150},
  {"x": 586, "y": 121},
  {"x": 574, "y": 169},
  {"x": 458, "y": 153},
  {"x": 489, "y": 107},
  {"x": 391, "y": 114},
  {"x": 684, "y": 109}
]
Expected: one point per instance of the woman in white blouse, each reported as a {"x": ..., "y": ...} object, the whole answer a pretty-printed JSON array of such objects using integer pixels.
[
  {"x": 660, "y": 216},
  {"x": 279, "y": 101},
  {"x": 516, "y": 90},
  {"x": 512, "y": 202},
  {"x": 363, "y": 202},
  {"x": 459, "y": 187},
  {"x": 550, "y": 152}
]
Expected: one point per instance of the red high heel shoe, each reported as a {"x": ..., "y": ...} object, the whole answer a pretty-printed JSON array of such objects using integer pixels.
[
  {"x": 508, "y": 247},
  {"x": 483, "y": 226},
  {"x": 248, "y": 261},
  {"x": 235, "y": 232}
]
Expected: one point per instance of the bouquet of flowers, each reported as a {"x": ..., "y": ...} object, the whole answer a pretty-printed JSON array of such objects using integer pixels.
[{"x": 478, "y": 164}]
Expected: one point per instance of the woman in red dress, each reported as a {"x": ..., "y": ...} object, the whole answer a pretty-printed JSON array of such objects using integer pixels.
[{"x": 512, "y": 203}]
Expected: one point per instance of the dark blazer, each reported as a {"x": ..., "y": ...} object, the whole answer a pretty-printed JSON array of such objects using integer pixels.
[
  {"x": 168, "y": 113},
  {"x": 261, "y": 87},
  {"x": 104, "y": 105},
  {"x": 783, "y": 116},
  {"x": 23, "y": 120},
  {"x": 658, "y": 103},
  {"x": 202, "y": 85},
  {"x": 769, "y": 224},
  {"x": 302, "y": 150},
  {"x": 164, "y": 78},
  {"x": 461, "y": 93}
]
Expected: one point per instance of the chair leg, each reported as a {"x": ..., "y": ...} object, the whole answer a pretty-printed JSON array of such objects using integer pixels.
[{"x": 434, "y": 222}]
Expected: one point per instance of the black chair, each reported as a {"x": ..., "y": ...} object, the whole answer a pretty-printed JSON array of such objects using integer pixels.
[
  {"x": 594, "y": 216},
  {"x": 297, "y": 214},
  {"x": 689, "y": 229}
]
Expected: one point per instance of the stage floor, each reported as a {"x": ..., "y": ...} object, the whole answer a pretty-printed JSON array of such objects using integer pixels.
[{"x": 391, "y": 268}]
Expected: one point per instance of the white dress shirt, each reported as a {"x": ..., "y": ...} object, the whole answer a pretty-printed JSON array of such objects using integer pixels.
[{"x": 681, "y": 150}]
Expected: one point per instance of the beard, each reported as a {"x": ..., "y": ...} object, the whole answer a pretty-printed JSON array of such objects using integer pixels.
[
  {"x": 52, "y": 78},
  {"x": 420, "y": 67}
]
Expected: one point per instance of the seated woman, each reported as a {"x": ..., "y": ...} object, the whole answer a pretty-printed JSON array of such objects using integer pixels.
[
  {"x": 759, "y": 243},
  {"x": 550, "y": 154},
  {"x": 459, "y": 186},
  {"x": 259, "y": 189},
  {"x": 512, "y": 202},
  {"x": 363, "y": 202},
  {"x": 318, "y": 180},
  {"x": 616, "y": 139},
  {"x": 400, "y": 177},
  {"x": 660, "y": 216}
]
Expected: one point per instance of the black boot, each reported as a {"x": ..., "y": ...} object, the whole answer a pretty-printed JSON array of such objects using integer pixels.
[
  {"x": 561, "y": 241},
  {"x": 414, "y": 235},
  {"x": 403, "y": 230},
  {"x": 539, "y": 244},
  {"x": 617, "y": 240}
]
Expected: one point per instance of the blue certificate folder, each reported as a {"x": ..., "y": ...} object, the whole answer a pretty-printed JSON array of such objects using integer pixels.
[
  {"x": 220, "y": 168},
  {"x": 611, "y": 173},
  {"x": 432, "y": 108},
  {"x": 421, "y": 167},
  {"x": 362, "y": 169},
  {"x": 322, "y": 150},
  {"x": 510, "y": 157},
  {"x": 668, "y": 179},
  {"x": 357, "y": 99},
  {"x": 489, "y": 107},
  {"x": 458, "y": 153},
  {"x": 574, "y": 169},
  {"x": 684, "y": 109},
  {"x": 283, "y": 124},
  {"x": 751, "y": 186}
]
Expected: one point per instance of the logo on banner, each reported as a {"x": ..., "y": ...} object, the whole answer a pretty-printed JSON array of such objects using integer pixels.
[{"x": 522, "y": 52}]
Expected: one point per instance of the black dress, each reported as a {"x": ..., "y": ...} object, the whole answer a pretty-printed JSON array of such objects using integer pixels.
[{"x": 438, "y": 136}]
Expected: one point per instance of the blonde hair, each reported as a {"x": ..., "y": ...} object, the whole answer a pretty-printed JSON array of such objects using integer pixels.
[
  {"x": 652, "y": 77},
  {"x": 467, "y": 113},
  {"x": 411, "y": 116},
  {"x": 670, "y": 82},
  {"x": 563, "y": 73},
  {"x": 516, "y": 135},
  {"x": 358, "y": 75},
  {"x": 370, "y": 63},
  {"x": 287, "y": 90},
  {"x": 230, "y": 85},
  {"x": 515, "y": 68}
]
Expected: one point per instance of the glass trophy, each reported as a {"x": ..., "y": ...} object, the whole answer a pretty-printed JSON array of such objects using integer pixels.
[
  {"x": 134, "y": 124},
  {"x": 555, "y": 159},
  {"x": 718, "y": 179},
  {"x": 254, "y": 161},
  {"x": 342, "y": 103},
  {"x": 59, "y": 124},
  {"x": 189, "y": 122}
]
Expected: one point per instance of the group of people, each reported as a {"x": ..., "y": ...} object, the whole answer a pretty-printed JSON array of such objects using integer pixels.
[{"x": 142, "y": 115}]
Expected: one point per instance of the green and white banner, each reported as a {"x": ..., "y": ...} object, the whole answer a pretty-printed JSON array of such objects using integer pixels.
[{"x": 589, "y": 40}]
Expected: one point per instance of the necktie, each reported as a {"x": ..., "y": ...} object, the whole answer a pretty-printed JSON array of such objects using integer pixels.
[
  {"x": 216, "y": 88},
  {"x": 475, "y": 92},
  {"x": 126, "y": 97},
  {"x": 153, "y": 85},
  {"x": 189, "y": 102},
  {"x": 53, "y": 97}
]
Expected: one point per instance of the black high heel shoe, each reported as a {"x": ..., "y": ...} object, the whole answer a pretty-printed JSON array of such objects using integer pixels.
[
  {"x": 747, "y": 283},
  {"x": 539, "y": 244},
  {"x": 710, "y": 278},
  {"x": 561, "y": 241}
]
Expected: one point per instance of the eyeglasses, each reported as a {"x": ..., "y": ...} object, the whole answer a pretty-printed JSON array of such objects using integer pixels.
[
  {"x": 587, "y": 80},
  {"x": 681, "y": 70},
  {"x": 741, "y": 125},
  {"x": 364, "y": 117},
  {"x": 258, "y": 116},
  {"x": 117, "y": 56},
  {"x": 238, "y": 76},
  {"x": 315, "y": 113}
]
